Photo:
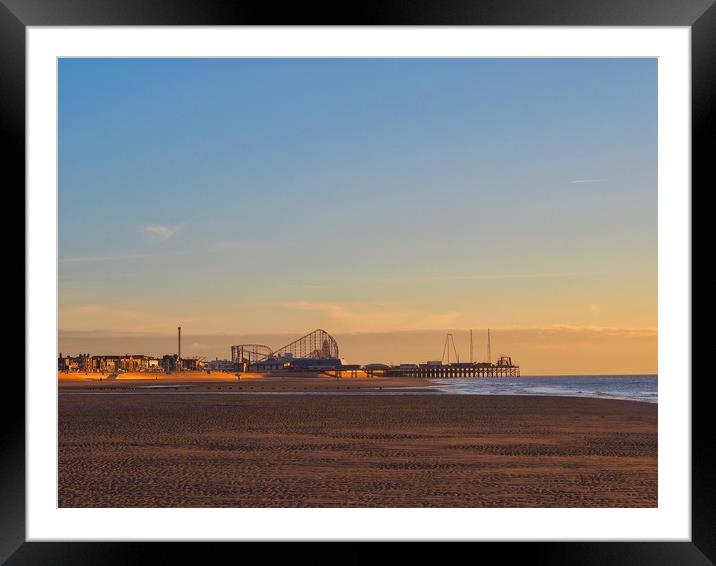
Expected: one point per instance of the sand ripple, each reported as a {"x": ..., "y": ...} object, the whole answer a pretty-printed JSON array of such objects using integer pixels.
[{"x": 328, "y": 451}]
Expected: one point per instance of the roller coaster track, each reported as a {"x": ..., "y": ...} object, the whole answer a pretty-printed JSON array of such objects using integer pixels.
[
  {"x": 317, "y": 345},
  {"x": 251, "y": 353}
]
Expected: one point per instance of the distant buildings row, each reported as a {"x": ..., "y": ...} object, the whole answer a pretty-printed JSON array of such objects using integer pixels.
[{"x": 129, "y": 363}]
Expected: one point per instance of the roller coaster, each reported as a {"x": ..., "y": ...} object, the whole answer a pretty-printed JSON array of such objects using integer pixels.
[
  {"x": 250, "y": 353},
  {"x": 315, "y": 345}
]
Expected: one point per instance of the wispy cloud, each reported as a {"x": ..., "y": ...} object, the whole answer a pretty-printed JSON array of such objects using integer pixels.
[
  {"x": 498, "y": 276},
  {"x": 227, "y": 245},
  {"x": 528, "y": 330},
  {"x": 165, "y": 233},
  {"x": 223, "y": 245},
  {"x": 116, "y": 319},
  {"x": 118, "y": 257},
  {"x": 580, "y": 181},
  {"x": 160, "y": 232},
  {"x": 555, "y": 329},
  {"x": 372, "y": 317}
]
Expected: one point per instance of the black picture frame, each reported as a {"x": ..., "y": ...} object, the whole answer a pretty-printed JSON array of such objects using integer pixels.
[{"x": 699, "y": 15}]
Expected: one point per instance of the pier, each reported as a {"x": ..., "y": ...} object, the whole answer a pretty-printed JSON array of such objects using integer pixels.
[{"x": 503, "y": 368}]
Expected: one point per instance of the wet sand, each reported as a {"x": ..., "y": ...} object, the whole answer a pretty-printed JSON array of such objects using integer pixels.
[
  {"x": 143, "y": 448},
  {"x": 229, "y": 382}
]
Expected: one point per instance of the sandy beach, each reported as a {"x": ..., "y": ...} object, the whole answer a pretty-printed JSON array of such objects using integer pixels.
[
  {"x": 229, "y": 382},
  {"x": 272, "y": 443}
]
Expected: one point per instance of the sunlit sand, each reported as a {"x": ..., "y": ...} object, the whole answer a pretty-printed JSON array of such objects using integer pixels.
[{"x": 290, "y": 381}]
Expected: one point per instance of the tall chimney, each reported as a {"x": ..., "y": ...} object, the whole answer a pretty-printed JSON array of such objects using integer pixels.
[
  {"x": 489, "y": 347},
  {"x": 179, "y": 347}
]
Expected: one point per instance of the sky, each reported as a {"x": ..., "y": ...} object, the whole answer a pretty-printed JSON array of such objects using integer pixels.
[{"x": 388, "y": 201}]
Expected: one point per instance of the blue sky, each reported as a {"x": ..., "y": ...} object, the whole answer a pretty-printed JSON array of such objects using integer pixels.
[{"x": 360, "y": 194}]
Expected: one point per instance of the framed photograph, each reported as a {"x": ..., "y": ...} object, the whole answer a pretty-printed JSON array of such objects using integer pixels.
[{"x": 418, "y": 275}]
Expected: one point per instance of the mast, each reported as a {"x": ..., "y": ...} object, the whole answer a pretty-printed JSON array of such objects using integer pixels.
[
  {"x": 489, "y": 349},
  {"x": 179, "y": 347},
  {"x": 472, "y": 360}
]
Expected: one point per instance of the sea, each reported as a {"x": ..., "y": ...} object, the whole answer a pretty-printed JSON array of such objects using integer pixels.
[
  {"x": 641, "y": 388},
  {"x": 629, "y": 387}
]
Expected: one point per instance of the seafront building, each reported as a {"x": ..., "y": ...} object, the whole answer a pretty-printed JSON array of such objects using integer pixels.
[{"x": 85, "y": 363}]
